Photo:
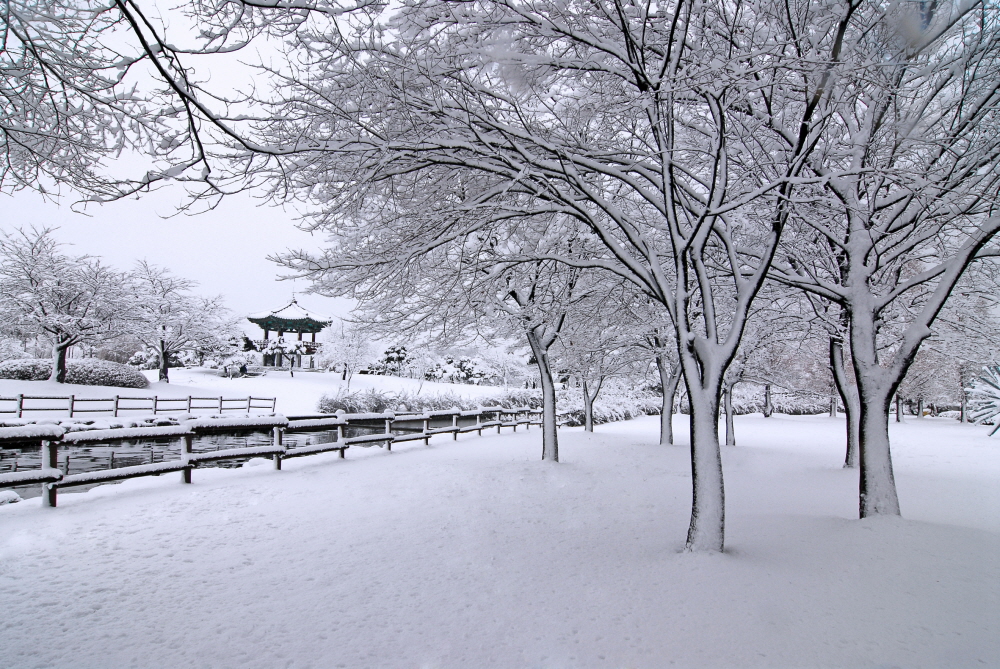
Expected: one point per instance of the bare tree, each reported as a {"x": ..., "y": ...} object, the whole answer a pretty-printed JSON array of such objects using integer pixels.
[
  {"x": 675, "y": 136},
  {"x": 66, "y": 299},
  {"x": 349, "y": 348},
  {"x": 602, "y": 341},
  {"x": 167, "y": 318},
  {"x": 908, "y": 200}
]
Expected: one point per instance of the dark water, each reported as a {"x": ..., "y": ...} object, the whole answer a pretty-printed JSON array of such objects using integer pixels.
[{"x": 92, "y": 457}]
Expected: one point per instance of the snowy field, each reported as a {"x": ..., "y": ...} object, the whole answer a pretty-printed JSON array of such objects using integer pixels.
[
  {"x": 296, "y": 394},
  {"x": 475, "y": 554}
]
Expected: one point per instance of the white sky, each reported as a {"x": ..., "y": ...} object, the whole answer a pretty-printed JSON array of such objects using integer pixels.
[{"x": 224, "y": 250}]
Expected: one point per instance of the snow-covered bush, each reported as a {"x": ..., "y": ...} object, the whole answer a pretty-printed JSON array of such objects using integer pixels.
[
  {"x": 85, "y": 372},
  {"x": 984, "y": 397},
  {"x": 9, "y": 497},
  {"x": 452, "y": 370},
  {"x": 150, "y": 359},
  {"x": 616, "y": 401},
  {"x": 510, "y": 399},
  {"x": 368, "y": 401},
  {"x": 11, "y": 349},
  {"x": 749, "y": 398},
  {"x": 374, "y": 401},
  {"x": 94, "y": 372},
  {"x": 26, "y": 369}
]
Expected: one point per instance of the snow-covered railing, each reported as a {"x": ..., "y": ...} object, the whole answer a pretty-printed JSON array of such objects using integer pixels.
[
  {"x": 19, "y": 404},
  {"x": 50, "y": 436}
]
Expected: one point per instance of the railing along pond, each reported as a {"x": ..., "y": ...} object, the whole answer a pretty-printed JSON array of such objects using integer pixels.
[
  {"x": 420, "y": 426},
  {"x": 19, "y": 404}
]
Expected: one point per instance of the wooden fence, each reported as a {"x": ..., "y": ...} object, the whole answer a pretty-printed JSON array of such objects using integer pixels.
[
  {"x": 419, "y": 427},
  {"x": 21, "y": 404}
]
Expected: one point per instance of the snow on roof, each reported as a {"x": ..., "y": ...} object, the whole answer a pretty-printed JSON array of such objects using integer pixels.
[{"x": 291, "y": 312}]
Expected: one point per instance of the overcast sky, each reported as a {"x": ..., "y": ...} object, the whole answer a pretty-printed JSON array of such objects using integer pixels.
[{"x": 224, "y": 250}]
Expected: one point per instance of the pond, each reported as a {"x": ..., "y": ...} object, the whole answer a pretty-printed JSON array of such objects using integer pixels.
[{"x": 92, "y": 457}]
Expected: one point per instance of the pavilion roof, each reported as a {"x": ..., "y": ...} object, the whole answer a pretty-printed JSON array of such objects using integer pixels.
[{"x": 290, "y": 318}]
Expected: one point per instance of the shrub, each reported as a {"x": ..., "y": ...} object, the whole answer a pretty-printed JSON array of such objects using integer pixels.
[
  {"x": 85, "y": 372},
  {"x": 26, "y": 369},
  {"x": 374, "y": 401},
  {"x": 616, "y": 401},
  {"x": 748, "y": 397},
  {"x": 94, "y": 372},
  {"x": 368, "y": 401}
]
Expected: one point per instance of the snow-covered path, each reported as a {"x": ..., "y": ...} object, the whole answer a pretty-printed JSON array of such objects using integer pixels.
[{"x": 476, "y": 554}]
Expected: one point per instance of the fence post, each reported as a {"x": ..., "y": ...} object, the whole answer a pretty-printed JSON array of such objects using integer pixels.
[
  {"x": 50, "y": 456},
  {"x": 248, "y": 403},
  {"x": 277, "y": 442},
  {"x": 111, "y": 460},
  {"x": 156, "y": 400},
  {"x": 388, "y": 430},
  {"x": 427, "y": 427},
  {"x": 72, "y": 400},
  {"x": 185, "y": 452},
  {"x": 116, "y": 406},
  {"x": 499, "y": 420},
  {"x": 20, "y": 404},
  {"x": 479, "y": 422},
  {"x": 220, "y": 404},
  {"x": 454, "y": 424},
  {"x": 189, "y": 404},
  {"x": 66, "y": 466}
]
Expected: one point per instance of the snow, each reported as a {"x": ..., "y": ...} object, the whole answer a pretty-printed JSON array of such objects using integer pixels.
[
  {"x": 296, "y": 395},
  {"x": 292, "y": 312},
  {"x": 315, "y": 422},
  {"x": 476, "y": 554},
  {"x": 210, "y": 456},
  {"x": 222, "y": 421},
  {"x": 84, "y": 436},
  {"x": 121, "y": 472},
  {"x": 30, "y": 432},
  {"x": 30, "y": 476}
]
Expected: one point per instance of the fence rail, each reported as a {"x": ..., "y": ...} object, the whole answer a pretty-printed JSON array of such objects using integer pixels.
[
  {"x": 20, "y": 404},
  {"x": 52, "y": 478}
]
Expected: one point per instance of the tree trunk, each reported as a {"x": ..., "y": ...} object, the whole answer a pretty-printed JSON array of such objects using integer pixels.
[
  {"x": 588, "y": 409},
  {"x": 920, "y": 408},
  {"x": 899, "y": 409},
  {"x": 768, "y": 406},
  {"x": 550, "y": 443},
  {"x": 878, "y": 486},
  {"x": 876, "y": 386},
  {"x": 730, "y": 428},
  {"x": 59, "y": 361},
  {"x": 668, "y": 387},
  {"x": 849, "y": 396},
  {"x": 833, "y": 406},
  {"x": 962, "y": 418},
  {"x": 164, "y": 363},
  {"x": 708, "y": 515}
]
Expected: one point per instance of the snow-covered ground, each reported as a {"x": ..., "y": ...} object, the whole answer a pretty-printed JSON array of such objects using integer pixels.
[
  {"x": 296, "y": 394},
  {"x": 476, "y": 554}
]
